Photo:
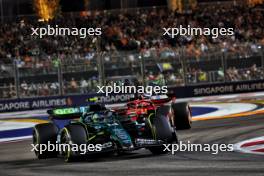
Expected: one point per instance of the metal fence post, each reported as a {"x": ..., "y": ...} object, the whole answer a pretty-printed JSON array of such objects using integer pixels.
[
  {"x": 103, "y": 70},
  {"x": 100, "y": 63},
  {"x": 224, "y": 65},
  {"x": 262, "y": 57},
  {"x": 16, "y": 77},
  {"x": 184, "y": 67},
  {"x": 142, "y": 68},
  {"x": 100, "y": 66},
  {"x": 60, "y": 78}
]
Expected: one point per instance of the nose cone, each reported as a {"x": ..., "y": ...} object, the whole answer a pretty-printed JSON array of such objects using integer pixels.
[{"x": 123, "y": 137}]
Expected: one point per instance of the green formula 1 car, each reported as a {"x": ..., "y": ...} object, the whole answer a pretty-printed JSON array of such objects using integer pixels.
[{"x": 95, "y": 129}]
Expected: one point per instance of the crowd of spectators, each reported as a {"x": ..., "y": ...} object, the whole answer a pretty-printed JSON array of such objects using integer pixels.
[
  {"x": 30, "y": 89},
  {"x": 138, "y": 31},
  {"x": 251, "y": 73}
]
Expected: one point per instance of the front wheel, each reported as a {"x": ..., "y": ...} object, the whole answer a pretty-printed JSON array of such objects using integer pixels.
[
  {"x": 42, "y": 135},
  {"x": 73, "y": 134}
]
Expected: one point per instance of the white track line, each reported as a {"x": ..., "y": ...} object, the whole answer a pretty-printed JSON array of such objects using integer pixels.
[
  {"x": 7, "y": 125},
  {"x": 14, "y": 139}
]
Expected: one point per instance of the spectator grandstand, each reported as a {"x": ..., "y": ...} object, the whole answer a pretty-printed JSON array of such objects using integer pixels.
[{"x": 54, "y": 65}]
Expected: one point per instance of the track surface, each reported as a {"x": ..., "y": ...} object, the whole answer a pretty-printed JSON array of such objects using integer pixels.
[{"x": 17, "y": 159}]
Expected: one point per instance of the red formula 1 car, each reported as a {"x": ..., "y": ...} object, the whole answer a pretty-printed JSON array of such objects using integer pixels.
[{"x": 178, "y": 115}]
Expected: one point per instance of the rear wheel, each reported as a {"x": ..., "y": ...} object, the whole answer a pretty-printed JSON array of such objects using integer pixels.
[
  {"x": 42, "y": 135},
  {"x": 163, "y": 110},
  {"x": 182, "y": 116},
  {"x": 73, "y": 134}
]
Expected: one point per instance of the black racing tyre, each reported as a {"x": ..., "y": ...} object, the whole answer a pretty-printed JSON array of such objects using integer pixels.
[
  {"x": 157, "y": 150},
  {"x": 73, "y": 134},
  {"x": 182, "y": 116},
  {"x": 175, "y": 139},
  {"x": 163, "y": 131},
  {"x": 43, "y": 134},
  {"x": 163, "y": 128},
  {"x": 163, "y": 110}
]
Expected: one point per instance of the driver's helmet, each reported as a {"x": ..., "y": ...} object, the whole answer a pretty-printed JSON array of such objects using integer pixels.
[{"x": 96, "y": 118}]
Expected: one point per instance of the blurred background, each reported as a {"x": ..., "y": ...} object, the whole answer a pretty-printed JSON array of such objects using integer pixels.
[{"x": 131, "y": 49}]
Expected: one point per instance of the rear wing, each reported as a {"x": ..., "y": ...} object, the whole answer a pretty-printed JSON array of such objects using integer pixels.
[
  {"x": 159, "y": 99},
  {"x": 73, "y": 112},
  {"x": 67, "y": 113}
]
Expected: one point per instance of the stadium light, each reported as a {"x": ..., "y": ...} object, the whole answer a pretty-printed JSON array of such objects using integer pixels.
[
  {"x": 181, "y": 5},
  {"x": 46, "y": 9},
  {"x": 255, "y": 2}
]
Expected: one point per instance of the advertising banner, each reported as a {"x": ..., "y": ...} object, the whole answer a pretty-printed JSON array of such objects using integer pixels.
[
  {"x": 81, "y": 100},
  {"x": 217, "y": 89},
  {"x": 60, "y": 101}
]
